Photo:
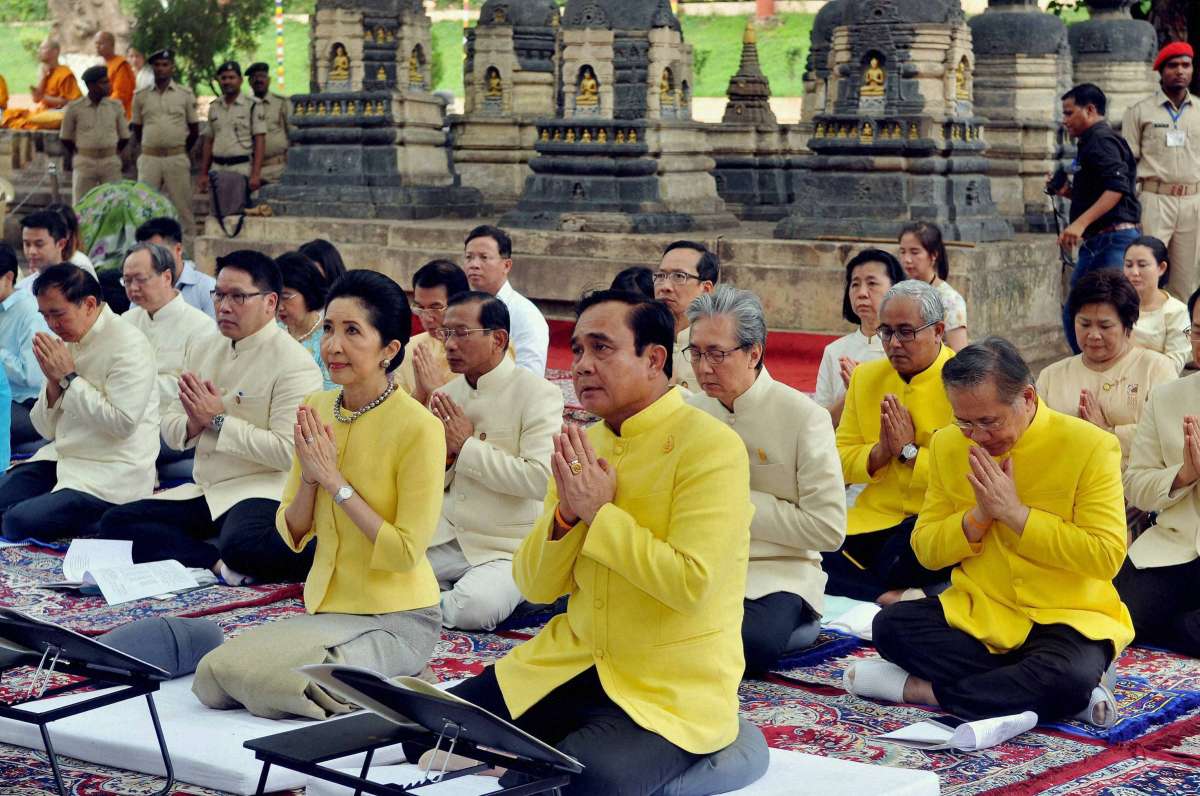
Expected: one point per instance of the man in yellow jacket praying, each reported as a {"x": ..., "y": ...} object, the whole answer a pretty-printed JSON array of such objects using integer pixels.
[
  {"x": 646, "y": 526},
  {"x": 1026, "y": 504}
]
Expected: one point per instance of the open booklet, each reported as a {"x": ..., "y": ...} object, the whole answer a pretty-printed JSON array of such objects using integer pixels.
[
  {"x": 414, "y": 703},
  {"x": 947, "y": 732},
  {"x": 108, "y": 565}
]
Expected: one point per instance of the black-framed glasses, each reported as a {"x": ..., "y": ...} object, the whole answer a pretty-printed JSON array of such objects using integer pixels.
[
  {"x": 678, "y": 277},
  {"x": 445, "y": 334},
  {"x": 714, "y": 356},
  {"x": 886, "y": 333},
  {"x": 239, "y": 299}
]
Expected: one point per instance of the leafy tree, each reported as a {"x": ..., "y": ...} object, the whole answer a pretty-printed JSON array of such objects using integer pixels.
[{"x": 203, "y": 33}]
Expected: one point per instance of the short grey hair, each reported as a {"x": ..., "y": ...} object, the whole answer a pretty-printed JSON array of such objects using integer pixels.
[
  {"x": 992, "y": 358},
  {"x": 749, "y": 321},
  {"x": 162, "y": 259},
  {"x": 925, "y": 294}
]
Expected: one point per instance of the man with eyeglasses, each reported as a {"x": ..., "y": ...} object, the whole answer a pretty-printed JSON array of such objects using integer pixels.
[
  {"x": 795, "y": 476},
  {"x": 687, "y": 270},
  {"x": 424, "y": 368},
  {"x": 893, "y": 406},
  {"x": 487, "y": 261},
  {"x": 169, "y": 323},
  {"x": 1158, "y": 580},
  {"x": 1026, "y": 505},
  {"x": 500, "y": 424},
  {"x": 237, "y": 408},
  {"x": 97, "y": 407},
  {"x": 194, "y": 285}
]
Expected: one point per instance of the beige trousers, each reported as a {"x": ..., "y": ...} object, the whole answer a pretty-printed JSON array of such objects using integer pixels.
[
  {"x": 171, "y": 176},
  {"x": 90, "y": 172},
  {"x": 1175, "y": 220}
]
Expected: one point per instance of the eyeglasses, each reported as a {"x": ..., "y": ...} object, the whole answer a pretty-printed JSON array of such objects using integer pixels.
[
  {"x": 982, "y": 425},
  {"x": 886, "y": 333},
  {"x": 288, "y": 295},
  {"x": 432, "y": 308},
  {"x": 678, "y": 277},
  {"x": 238, "y": 299},
  {"x": 1194, "y": 334},
  {"x": 139, "y": 281},
  {"x": 483, "y": 258},
  {"x": 714, "y": 356},
  {"x": 445, "y": 334}
]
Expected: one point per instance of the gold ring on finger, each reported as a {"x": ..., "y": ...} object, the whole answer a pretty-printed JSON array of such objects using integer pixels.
[{"x": 576, "y": 467}]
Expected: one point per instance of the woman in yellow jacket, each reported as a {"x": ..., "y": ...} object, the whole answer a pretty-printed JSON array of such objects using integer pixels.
[
  {"x": 1032, "y": 619},
  {"x": 367, "y": 482}
]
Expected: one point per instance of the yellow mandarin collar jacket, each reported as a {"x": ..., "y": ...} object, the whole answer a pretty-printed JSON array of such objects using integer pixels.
[
  {"x": 1060, "y": 569},
  {"x": 394, "y": 457},
  {"x": 655, "y": 582},
  {"x": 897, "y": 490}
]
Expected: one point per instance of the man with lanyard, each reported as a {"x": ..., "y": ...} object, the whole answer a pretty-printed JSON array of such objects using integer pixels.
[
  {"x": 274, "y": 110},
  {"x": 1104, "y": 208},
  {"x": 1163, "y": 131},
  {"x": 236, "y": 130},
  {"x": 166, "y": 125}
]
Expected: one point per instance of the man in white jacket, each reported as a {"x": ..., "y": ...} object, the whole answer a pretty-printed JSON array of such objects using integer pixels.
[
  {"x": 98, "y": 407},
  {"x": 500, "y": 424},
  {"x": 795, "y": 474}
]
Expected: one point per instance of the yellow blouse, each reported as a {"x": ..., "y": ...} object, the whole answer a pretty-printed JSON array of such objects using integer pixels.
[
  {"x": 655, "y": 582},
  {"x": 1059, "y": 570},
  {"x": 896, "y": 490},
  {"x": 394, "y": 457}
]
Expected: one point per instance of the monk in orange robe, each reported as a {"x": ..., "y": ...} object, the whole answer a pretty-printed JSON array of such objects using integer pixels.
[
  {"x": 120, "y": 71},
  {"x": 3, "y": 93},
  {"x": 56, "y": 87}
]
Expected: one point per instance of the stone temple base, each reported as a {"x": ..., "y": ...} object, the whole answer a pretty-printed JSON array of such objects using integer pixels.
[
  {"x": 876, "y": 196},
  {"x": 384, "y": 202},
  {"x": 1013, "y": 288}
]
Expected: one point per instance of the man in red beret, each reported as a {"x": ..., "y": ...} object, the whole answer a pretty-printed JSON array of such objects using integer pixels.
[{"x": 1163, "y": 130}]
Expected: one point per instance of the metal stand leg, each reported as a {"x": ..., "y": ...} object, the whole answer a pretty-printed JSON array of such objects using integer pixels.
[
  {"x": 262, "y": 780},
  {"x": 53, "y": 759},
  {"x": 162, "y": 746},
  {"x": 366, "y": 767}
]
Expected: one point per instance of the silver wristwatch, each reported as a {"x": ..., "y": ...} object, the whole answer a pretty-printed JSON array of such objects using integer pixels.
[
  {"x": 66, "y": 380},
  {"x": 907, "y": 453},
  {"x": 343, "y": 494},
  {"x": 216, "y": 423}
]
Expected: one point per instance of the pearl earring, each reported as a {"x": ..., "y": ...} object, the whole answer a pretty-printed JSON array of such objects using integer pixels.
[{"x": 384, "y": 364}]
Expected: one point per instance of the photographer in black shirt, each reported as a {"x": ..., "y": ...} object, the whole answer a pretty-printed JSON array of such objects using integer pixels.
[{"x": 1104, "y": 208}]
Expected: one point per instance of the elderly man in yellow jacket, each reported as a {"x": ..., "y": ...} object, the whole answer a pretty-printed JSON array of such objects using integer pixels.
[
  {"x": 893, "y": 407},
  {"x": 1032, "y": 619},
  {"x": 646, "y": 527}
]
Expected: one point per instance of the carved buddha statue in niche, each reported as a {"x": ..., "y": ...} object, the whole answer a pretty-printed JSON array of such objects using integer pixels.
[
  {"x": 874, "y": 78},
  {"x": 666, "y": 95},
  {"x": 588, "y": 95},
  {"x": 339, "y": 64},
  {"x": 414, "y": 70},
  {"x": 495, "y": 87},
  {"x": 961, "y": 90}
]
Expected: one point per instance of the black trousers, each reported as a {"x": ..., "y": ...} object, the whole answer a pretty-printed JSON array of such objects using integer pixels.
[
  {"x": 1164, "y": 604},
  {"x": 243, "y": 537},
  {"x": 767, "y": 624},
  {"x": 22, "y": 429},
  {"x": 1052, "y": 673},
  {"x": 885, "y": 561},
  {"x": 579, "y": 719},
  {"x": 30, "y": 510}
]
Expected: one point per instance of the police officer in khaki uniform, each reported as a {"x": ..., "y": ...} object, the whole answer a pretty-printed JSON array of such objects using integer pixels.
[
  {"x": 275, "y": 111},
  {"x": 166, "y": 126},
  {"x": 1163, "y": 130},
  {"x": 94, "y": 131},
  {"x": 236, "y": 129}
]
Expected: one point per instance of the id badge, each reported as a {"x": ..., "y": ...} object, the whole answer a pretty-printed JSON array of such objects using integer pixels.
[{"x": 1176, "y": 138}]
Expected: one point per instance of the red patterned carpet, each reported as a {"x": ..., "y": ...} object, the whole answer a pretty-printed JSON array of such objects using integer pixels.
[{"x": 801, "y": 707}]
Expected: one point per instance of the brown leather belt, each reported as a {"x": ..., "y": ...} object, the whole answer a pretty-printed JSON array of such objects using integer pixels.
[
  {"x": 164, "y": 151},
  {"x": 1155, "y": 185},
  {"x": 1115, "y": 228},
  {"x": 271, "y": 161},
  {"x": 96, "y": 154}
]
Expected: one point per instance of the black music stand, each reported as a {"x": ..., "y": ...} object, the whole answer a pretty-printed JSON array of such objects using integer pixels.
[
  {"x": 442, "y": 726},
  {"x": 26, "y": 641}
]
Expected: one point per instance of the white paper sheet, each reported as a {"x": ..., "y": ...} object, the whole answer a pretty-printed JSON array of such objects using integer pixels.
[
  {"x": 968, "y": 736},
  {"x": 122, "y": 584},
  {"x": 856, "y": 621},
  {"x": 92, "y": 554}
]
